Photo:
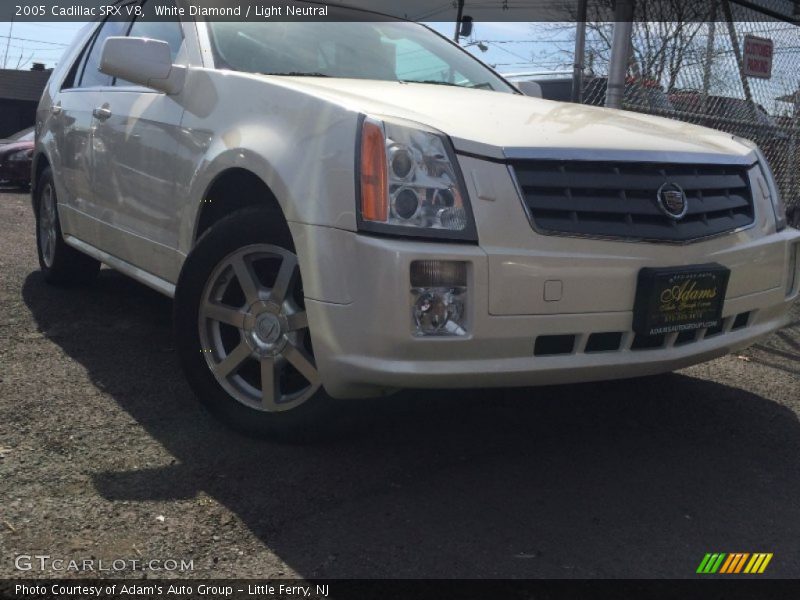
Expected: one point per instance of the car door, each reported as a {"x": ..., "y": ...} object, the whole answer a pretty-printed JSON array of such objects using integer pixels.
[
  {"x": 136, "y": 134},
  {"x": 71, "y": 122}
]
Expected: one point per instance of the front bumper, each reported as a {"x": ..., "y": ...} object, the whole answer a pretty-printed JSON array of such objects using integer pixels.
[{"x": 359, "y": 309}]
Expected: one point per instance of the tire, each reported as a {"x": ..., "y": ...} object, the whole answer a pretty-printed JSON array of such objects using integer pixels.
[
  {"x": 60, "y": 263},
  {"x": 242, "y": 333}
]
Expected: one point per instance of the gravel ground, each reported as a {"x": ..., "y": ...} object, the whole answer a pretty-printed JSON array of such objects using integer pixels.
[{"x": 105, "y": 453}]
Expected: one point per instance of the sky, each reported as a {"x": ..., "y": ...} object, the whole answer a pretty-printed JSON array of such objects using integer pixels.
[
  {"x": 34, "y": 42},
  {"x": 512, "y": 46}
]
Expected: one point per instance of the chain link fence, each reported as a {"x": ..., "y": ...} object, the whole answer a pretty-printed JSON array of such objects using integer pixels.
[{"x": 694, "y": 71}]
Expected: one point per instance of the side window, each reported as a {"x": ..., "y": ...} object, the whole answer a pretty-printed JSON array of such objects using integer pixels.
[
  {"x": 89, "y": 72},
  {"x": 71, "y": 79},
  {"x": 154, "y": 29}
]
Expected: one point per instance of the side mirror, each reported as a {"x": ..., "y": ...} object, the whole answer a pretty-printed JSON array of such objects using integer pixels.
[
  {"x": 530, "y": 88},
  {"x": 466, "y": 27},
  {"x": 142, "y": 61}
]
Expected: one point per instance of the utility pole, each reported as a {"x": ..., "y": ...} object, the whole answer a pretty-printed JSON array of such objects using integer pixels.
[
  {"x": 459, "y": 16},
  {"x": 8, "y": 42},
  {"x": 709, "y": 60},
  {"x": 580, "y": 49},
  {"x": 620, "y": 53},
  {"x": 793, "y": 148}
]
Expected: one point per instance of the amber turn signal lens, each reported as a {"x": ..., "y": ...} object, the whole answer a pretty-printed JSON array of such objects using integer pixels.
[{"x": 374, "y": 179}]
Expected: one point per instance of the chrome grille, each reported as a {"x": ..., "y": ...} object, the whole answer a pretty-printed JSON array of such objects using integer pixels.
[{"x": 619, "y": 200}]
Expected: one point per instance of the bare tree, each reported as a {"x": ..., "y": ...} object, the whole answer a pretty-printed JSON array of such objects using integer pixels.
[
  {"x": 21, "y": 62},
  {"x": 665, "y": 37}
]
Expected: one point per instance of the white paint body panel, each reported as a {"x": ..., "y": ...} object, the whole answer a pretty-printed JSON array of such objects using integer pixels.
[
  {"x": 131, "y": 189},
  {"x": 486, "y": 123}
]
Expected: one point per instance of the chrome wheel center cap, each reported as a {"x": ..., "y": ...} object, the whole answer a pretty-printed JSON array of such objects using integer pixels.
[
  {"x": 267, "y": 328},
  {"x": 264, "y": 329}
]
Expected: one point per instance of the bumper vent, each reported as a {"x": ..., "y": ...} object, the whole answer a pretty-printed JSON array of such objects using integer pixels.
[
  {"x": 622, "y": 341},
  {"x": 619, "y": 200}
]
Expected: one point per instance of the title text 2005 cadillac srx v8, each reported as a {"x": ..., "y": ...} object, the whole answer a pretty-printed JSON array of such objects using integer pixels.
[{"x": 344, "y": 209}]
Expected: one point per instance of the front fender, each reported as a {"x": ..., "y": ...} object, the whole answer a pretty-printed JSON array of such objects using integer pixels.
[
  {"x": 300, "y": 145},
  {"x": 204, "y": 179}
]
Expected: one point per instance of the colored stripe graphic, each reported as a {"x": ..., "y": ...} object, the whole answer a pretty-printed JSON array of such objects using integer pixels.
[
  {"x": 741, "y": 562},
  {"x": 734, "y": 563},
  {"x": 703, "y": 563},
  {"x": 760, "y": 562},
  {"x": 727, "y": 564},
  {"x": 711, "y": 563}
]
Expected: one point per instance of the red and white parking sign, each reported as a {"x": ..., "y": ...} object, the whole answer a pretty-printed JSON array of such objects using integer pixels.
[{"x": 757, "y": 57}]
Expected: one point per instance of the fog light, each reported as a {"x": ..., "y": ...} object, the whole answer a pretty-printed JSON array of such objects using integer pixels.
[
  {"x": 440, "y": 288},
  {"x": 794, "y": 267},
  {"x": 438, "y": 273}
]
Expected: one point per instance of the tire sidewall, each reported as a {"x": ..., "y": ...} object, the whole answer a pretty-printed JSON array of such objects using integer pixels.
[
  {"x": 244, "y": 228},
  {"x": 45, "y": 179},
  {"x": 70, "y": 267}
]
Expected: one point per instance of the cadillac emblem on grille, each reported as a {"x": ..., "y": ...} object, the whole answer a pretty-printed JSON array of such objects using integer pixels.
[{"x": 672, "y": 201}]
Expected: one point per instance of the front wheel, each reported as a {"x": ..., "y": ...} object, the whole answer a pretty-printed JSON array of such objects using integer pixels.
[{"x": 242, "y": 330}]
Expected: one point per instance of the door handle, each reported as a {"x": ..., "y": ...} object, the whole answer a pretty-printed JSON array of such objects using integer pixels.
[
  {"x": 101, "y": 113},
  {"x": 55, "y": 109}
]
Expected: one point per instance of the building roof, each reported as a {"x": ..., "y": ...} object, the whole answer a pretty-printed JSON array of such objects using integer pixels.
[{"x": 22, "y": 85}]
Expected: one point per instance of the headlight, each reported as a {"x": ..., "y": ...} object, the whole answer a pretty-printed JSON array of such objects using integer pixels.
[
  {"x": 778, "y": 207},
  {"x": 20, "y": 156},
  {"x": 410, "y": 183}
]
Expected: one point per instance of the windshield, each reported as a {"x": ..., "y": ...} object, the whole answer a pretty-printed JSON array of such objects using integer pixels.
[
  {"x": 26, "y": 135},
  {"x": 388, "y": 51}
]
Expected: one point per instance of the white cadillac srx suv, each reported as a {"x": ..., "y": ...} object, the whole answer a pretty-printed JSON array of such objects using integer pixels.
[{"x": 344, "y": 209}]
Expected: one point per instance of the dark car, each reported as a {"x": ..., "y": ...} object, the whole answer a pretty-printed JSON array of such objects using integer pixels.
[
  {"x": 16, "y": 153},
  {"x": 723, "y": 112}
]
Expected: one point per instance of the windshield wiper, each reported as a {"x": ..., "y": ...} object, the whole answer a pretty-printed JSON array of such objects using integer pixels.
[
  {"x": 472, "y": 86},
  {"x": 430, "y": 81},
  {"x": 298, "y": 74}
]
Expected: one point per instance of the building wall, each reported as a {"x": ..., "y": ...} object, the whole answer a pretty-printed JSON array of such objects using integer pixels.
[{"x": 16, "y": 115}]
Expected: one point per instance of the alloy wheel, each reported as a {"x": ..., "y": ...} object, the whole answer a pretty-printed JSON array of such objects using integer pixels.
[
  {"x": 254, "y": 330},
  {"x": 47, "y": 225}
]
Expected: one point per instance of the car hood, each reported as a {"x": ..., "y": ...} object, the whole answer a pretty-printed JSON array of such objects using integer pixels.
[{"x": 500, "y": 125}]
